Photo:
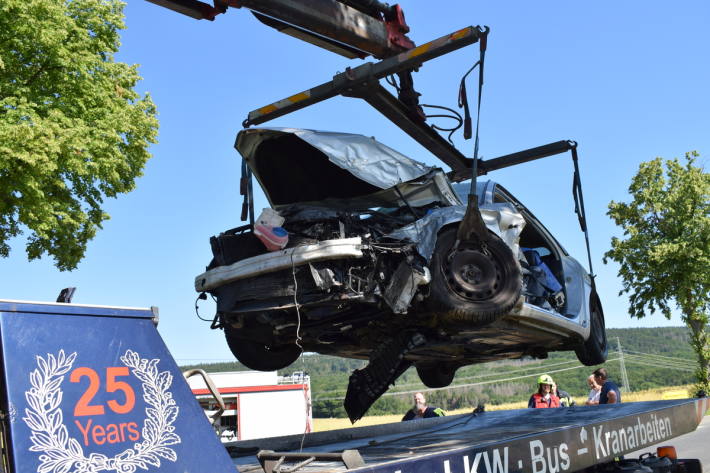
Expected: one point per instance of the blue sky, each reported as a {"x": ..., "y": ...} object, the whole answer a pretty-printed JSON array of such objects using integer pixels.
[{"x": 627, "y": 80}]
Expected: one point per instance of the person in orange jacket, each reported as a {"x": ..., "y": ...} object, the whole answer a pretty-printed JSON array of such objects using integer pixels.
[{"x": 544, "y": 397}]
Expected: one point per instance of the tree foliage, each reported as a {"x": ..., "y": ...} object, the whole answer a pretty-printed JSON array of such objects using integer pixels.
[
  {"x": 73, "y": 130},
  {"x": 664, "y": 256}
]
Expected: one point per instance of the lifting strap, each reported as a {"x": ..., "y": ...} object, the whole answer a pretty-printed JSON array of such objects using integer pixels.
[
  {"x": 579, "y": 208},
  {"x": 463, "y": 99},
  {"x": 246, "y": 189},
  {"x": 472, "y": 225}
]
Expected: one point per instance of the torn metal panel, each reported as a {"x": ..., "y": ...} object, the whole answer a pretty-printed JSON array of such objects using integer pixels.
[
  {"x": 324, "y": 278},
  {"x": 386, "y": 364},
  {"x": 502, "y": 219},
  {"x": 404, "y": 285},
  {"x": 366, "y": 158},
  {"x": 430, "y": 188}
]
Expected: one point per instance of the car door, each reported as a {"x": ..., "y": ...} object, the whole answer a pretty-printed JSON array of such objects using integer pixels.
[{"x": 568, "y": 271}]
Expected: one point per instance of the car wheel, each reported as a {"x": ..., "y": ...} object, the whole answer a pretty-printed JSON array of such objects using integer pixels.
[
  {"x": 473, "y": 284},
  {"x": 257, "y": 356},
  {"x": 436, "y": 375},
  {"x": 594, "y": 350}
]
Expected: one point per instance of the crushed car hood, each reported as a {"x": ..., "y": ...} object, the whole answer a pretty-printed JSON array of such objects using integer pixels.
[{"x": 298, "y": 166}]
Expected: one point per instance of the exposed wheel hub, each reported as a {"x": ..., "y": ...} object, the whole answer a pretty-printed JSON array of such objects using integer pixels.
[{"x": 473, "y": 273}]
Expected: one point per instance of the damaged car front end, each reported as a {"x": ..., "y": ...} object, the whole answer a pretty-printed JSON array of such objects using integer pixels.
[{"x": 368, "y": 265}]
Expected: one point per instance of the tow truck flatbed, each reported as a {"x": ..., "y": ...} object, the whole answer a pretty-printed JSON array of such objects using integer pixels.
[
  {"x": 94, "y": 388},
  {"x": 530, "y": 440}
]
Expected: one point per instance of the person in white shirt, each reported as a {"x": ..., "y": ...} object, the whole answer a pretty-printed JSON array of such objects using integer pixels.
[{"x": 595, "y": 391}]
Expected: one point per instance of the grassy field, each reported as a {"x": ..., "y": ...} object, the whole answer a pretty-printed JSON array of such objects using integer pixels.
[{"x": 677, "y": 392}]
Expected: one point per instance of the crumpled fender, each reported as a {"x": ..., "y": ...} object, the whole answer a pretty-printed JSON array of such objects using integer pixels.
[{"x": 500, "y": 218}]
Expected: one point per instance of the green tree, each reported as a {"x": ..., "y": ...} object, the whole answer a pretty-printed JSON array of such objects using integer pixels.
[
  {"x": 664, "y": 256},
  {"x": 72, "y": 129}
]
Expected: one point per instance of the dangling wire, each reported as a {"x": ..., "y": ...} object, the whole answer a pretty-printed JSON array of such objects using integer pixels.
[
  {"x": 391, "y": 80},
  {"x": 462, "y": 102},
  {"x": 295, "y": 303},
  {"x": 454, "y": 116},
  {"x": 298, "y": 344},
  {"x": 202, "y": 296}
]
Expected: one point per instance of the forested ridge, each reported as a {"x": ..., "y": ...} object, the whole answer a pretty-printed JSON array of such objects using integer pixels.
[{"x": 654, "y": 357}]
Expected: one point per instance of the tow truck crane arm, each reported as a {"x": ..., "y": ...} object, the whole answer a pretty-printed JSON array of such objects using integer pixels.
[
  {"x": 354, "y": 28},
  {"x": 363, "y": 82},
  {"x": 351, "y": 28}
]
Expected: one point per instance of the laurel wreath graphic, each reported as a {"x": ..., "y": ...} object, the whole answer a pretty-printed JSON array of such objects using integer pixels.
[{"x": 61, "y": 453}]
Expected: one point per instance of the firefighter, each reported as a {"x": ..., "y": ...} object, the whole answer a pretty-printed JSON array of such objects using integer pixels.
[
  {"x": 544, "y": 397},
  {"x": 565, "y": 398}
]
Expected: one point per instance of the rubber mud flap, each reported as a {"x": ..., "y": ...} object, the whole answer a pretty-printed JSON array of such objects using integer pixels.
[{"x": 386, "y": 364}]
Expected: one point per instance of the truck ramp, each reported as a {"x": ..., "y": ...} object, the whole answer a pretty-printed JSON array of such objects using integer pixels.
[{"x": 525, "y": 440}]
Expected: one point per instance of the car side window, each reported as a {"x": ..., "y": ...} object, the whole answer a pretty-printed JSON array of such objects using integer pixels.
[{"x": 499, "y": 198}]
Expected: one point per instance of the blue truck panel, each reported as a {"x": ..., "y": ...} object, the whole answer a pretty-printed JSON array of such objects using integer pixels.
[{"x": 95, "y": 389}]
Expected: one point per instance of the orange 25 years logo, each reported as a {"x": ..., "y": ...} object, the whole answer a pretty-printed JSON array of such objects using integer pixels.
[{"x": 61, "y": 453}]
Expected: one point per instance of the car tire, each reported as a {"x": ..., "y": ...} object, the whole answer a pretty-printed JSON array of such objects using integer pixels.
[
  {"x": 473, "y": 285},
  {"x": 436, "y": 375},
  {"x": 257, "y": 356},
  {"x": 594, "y": 350}
]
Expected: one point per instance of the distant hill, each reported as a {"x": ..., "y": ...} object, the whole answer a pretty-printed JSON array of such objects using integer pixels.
[{"x": 654, "y": 357}]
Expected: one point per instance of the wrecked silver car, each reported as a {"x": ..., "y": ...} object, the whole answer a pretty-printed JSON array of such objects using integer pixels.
[{"x": 362, "y": 261}]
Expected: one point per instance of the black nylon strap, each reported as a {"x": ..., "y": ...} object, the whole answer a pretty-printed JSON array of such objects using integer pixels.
[
  {"x": 483, "y": 42},
  {"x": 472, "y": 223},
  {"x": 246, "y": 189},
  {"x": 463, "y": 102},
  {"x": 579, "y": 209}
]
